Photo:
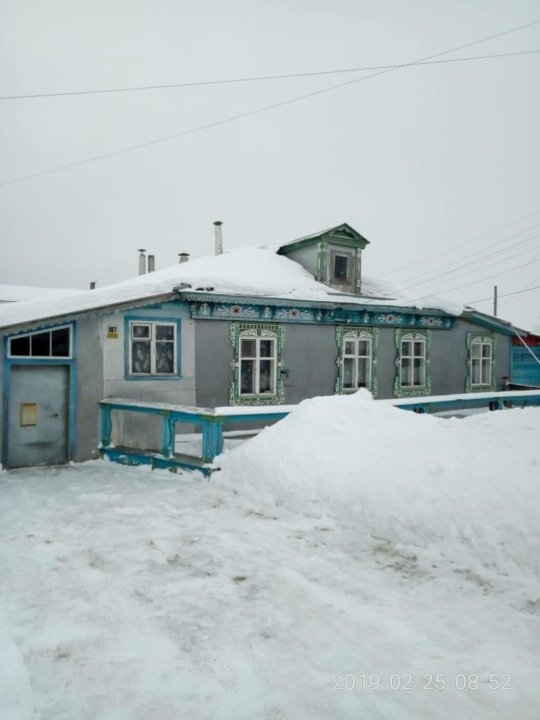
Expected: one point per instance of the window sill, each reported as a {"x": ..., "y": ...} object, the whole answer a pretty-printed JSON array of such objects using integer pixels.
[{"x": 174, "y": 376}]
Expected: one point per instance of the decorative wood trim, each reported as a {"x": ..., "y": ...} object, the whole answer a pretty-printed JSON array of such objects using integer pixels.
[
  {"x": 485, "y": 338},
  {"x": 342, "y": 333},
  {"x": 206, "y": 306},
  {"x": 405, "y": 334},
  {"x": 246, "y": 329}
]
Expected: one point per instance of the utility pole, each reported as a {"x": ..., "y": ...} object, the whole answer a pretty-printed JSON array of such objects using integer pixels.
[{"x": 495, "y": 300}]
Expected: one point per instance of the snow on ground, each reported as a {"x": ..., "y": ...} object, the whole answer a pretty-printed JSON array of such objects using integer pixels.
[{"x": 349, "y": 547}]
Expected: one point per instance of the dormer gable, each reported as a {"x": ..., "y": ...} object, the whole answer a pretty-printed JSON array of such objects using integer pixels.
[{"x": 333, "y": 256}]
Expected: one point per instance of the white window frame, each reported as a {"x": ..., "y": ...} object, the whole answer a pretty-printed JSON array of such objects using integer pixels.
[
  {"x": 355, "y": 357},
  {"x": 480, "y": 340},
  {"x": 481, "y": 343},
  {"x": 152, "y": 340},
  {"x": 412, "y": 357},
  {"x": 257, "y": 359}
]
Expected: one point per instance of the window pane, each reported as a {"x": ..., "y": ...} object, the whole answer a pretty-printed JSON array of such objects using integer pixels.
[
  {"x": 140, "y": 331},
  {"x": 476, "y": 350},
  {"x": 486, "y": 372},
  {"x": 419, "y": 349},
  {"x": 406, "y": 372},
  {"x": 349, "y": 347},
  {"x": 266, "y": 376},
  {"x": 41, "y": 344},
  {"x": 164, "y": 332},
  {"x": 140, "y": 357},
  {"x": 60, "y": 342},
  {"x": 406, "y": 347},
  {"x": 266, "y": 348},
  {"x": 475, "y": 372},
  {"x": 363, "y": 373},
  {"x": 248, "y": 348},
  {"x": 165, "y": 357},
  {"x": 247, "y": 376},
  {"x": 341, "y": 264},
  {"x": 364, "y": 347},
  {"x": 348, "y": 373},
  {"x": 486, "y": 350},
  {"x": 20, "y": 346},
  {"x": 418, "y": 371}
]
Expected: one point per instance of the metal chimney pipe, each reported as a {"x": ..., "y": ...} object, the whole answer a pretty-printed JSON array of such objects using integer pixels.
[
  {"x": 183, "y": 257},
  {"x": 142, "y": 261},
  {"x": 151, "y": 263},
  {"x": 218, "y": 236}
]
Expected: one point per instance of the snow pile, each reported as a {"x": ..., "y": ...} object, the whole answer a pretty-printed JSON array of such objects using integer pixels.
[
  {"x": 139, "y": 594},
  {"x": 15, "y": 694},
  {"x": 460, "y": 491}
]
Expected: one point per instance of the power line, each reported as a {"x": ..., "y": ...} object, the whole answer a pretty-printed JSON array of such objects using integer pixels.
[
  {"x": 429, "y": 279},
  {"x": 257, "y": 111},
  {"x": 260, "y": 78},
  {"x": 469, "y": 242},
  {"x": 475, "y": 282},
  {"x": 458, "y": 287},
  {"x": 517, "y": 292}
]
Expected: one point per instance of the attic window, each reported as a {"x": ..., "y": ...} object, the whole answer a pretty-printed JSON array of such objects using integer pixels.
[{"x": 341, "y": 267}]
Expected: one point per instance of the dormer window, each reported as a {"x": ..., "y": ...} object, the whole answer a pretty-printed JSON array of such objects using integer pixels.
[
  {"x": 341, "y": 267},
  {"x": 332, "y": 256}
]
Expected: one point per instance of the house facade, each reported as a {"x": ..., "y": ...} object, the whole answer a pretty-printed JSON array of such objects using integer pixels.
[{"x": 195, "y": 336}]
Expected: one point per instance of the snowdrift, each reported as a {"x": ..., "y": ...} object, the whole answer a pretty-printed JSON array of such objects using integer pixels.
[
  {"x": 464, "y": 491},
  {"x": 15, "y": 693}
]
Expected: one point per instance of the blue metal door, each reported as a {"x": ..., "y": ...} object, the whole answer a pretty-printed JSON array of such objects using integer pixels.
[{"x": 38, "y": 415}]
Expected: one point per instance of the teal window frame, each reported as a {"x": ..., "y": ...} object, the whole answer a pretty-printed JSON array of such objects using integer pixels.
[
  {"x": 239, "y": 331},
  {"x": 348, "y": 333},
  {"x": 401, "y": 336}
]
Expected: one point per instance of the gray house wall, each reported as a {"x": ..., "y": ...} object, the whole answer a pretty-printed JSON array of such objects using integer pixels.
[
  {"x": 310, "y": 353},
  {"x": 89, "y": 356},
  {"x": 305, "y": 256},
  {"x": 132, "y": 429},
  {"x": 309, "y": 357}
]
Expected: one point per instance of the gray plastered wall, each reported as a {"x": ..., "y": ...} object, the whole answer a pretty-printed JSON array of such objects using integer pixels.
[
  {"x": 133, "y": 429},
  {"x": 310, "y": 353},
  {"x": 89, "y": 368}
]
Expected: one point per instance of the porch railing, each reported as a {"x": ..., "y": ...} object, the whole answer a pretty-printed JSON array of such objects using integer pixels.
[{"x": 211, "y": 422}]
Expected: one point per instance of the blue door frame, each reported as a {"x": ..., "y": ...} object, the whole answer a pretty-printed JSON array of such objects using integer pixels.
[{"x": 71, "y": 363}]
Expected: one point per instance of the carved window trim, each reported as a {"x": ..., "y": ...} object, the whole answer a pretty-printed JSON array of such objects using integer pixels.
[
  {"x": 344, "y": 333},
  {"x": 260, "y": 331},
  {"x": 475, "y": 339},
  {"x": 402, "y": 335}
]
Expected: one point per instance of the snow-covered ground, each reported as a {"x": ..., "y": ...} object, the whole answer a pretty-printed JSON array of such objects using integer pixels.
[{"x": 352, "y": 561}]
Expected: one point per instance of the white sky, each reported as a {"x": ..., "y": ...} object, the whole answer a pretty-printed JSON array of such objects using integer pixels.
[{"x": 422, "y": 161}]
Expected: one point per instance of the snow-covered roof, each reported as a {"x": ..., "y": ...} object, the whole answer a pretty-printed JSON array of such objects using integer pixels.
[
  {"x": 247, "y": 271},
  {"x": 18, "y": 293}
]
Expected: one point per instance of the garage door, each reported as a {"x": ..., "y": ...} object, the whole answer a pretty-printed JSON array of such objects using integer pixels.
[{"x": 38, "y": 415}]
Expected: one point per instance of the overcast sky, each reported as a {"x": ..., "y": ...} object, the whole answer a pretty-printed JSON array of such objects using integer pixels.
[{"x": 438, "y": 166}]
